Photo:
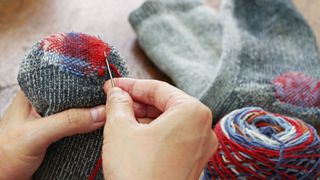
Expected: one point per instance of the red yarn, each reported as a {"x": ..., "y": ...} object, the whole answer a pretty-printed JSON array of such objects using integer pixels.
[
  {"x": 96, "y": 168},
  {"x": 257, "y": 162},
  {"x": 115, "y": 70},
  {"x": 77, "y": 45},
  {"x": 297, "y": 89},
  {"x": 101, "y": 72},
  {"x": 230, "y": 147}
]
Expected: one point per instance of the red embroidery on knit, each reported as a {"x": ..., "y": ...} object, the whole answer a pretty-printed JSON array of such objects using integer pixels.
[
  {"x": 77, "y": 45},
  {"x": 297, "y": 89}
]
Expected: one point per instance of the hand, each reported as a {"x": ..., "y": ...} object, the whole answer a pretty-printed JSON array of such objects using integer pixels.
[
  {"x": 174, "y": 139},
  {"x": 25, "y": 136}
]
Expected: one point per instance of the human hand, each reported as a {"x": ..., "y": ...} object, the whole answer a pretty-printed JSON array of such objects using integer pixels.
[
  {"x": 25, "y": 136},
  {"x": 174, "y": 139}
]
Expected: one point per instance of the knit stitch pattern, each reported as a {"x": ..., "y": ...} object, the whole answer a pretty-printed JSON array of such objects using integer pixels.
[
  {"x": 245, "y": 55},
  {"x": 62, "y": 71},
  {"x": 297, "y": 89}
]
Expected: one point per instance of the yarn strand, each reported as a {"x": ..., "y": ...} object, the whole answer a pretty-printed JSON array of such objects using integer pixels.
[{"x": 258, "y": 144}]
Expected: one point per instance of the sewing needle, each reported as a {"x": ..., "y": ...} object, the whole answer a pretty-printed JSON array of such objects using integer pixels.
[{"x": 108, "y": 66}]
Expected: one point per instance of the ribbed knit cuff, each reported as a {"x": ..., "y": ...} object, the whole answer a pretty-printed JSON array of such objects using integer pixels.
[{"x": 153, "y": 7}]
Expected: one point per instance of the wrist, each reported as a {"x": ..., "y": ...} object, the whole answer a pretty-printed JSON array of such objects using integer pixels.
[
  {"x": 7, "y": 171},
  {"x": 127, "y": 174}
]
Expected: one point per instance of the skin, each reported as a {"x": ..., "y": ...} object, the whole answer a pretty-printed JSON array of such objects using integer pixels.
[
  {"x": 176, "y": 142},
  {"x": 153, "y": 131},
  {"x": 25, "y": 136}
]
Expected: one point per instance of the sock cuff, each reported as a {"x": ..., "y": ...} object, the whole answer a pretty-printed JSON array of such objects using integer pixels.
[{"x": 154, "y": 7}]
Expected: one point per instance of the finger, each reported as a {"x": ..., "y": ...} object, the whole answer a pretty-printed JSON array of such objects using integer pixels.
[
  {"x": 70, "y": 122},
  {"x": 20, "y": 107},
  {"x": 152, "y": 92},
  {"x": 212, "y": 146},
  {"x": 142, "y": 110},
  {"x": 168, "y": 99},
  {"x": 119, "y": 107}
]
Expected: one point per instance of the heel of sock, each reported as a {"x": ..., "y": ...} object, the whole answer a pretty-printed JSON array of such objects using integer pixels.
[
  {"x": 297, "y": 89},
  {"x": 298, "y": 95}
]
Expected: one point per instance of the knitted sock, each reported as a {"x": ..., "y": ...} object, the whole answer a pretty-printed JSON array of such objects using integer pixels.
[
  {"x": 182, "y": 38},
  {"x": 267, "y": 55},
  {"x": 68, "y": 71}
]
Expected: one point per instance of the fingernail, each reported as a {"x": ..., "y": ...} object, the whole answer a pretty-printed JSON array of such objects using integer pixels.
[{"x": 95, "y": 113}]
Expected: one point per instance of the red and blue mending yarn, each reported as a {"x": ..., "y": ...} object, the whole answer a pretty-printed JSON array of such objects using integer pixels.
[
  {"x": 297, "y": 89},
  {"x": 78, "y": 54},
  {"x": 255, "y": 144}
]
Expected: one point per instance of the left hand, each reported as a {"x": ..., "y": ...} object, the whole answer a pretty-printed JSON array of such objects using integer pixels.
[{"x": 25, "y": 136}]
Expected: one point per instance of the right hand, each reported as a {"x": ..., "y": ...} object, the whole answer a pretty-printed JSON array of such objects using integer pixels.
[{"x": 174, "y": 139}]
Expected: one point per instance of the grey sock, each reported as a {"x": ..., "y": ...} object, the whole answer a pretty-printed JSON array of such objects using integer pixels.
[
  {"x": 183, "y": 38},
  {"x": 263, "y": 54},
  {"x": 68, "y": 71}
]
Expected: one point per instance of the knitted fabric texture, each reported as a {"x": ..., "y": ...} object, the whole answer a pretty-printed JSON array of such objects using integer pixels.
[
  {"x": 255, "y": 144},
  {"x": 253, "y": 53},
  {"x": 65, "y": 71}
]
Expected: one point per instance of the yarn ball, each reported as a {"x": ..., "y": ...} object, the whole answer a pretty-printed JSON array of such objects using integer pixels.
[
  {"x": 255, "y": 144},
  {"x": 68, "y": 70}
]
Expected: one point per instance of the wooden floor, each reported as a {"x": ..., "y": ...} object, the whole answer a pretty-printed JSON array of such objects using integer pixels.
[{"x": 23, "y": 22}]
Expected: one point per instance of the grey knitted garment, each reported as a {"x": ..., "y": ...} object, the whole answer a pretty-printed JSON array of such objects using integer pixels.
[
  {"x": 68, "y": 71},
  {"x": 253, "y": 53}
]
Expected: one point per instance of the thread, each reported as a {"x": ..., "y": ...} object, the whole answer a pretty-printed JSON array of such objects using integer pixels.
[
  {"x": 77, "y": 53},
  {"x": 255, "y": 144},
  {"x": 297, "y": 89},
  {"x": 96, "y": 169}
]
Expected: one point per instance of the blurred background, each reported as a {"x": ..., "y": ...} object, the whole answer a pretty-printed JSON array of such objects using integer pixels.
[{"x": 24, "y": 22}]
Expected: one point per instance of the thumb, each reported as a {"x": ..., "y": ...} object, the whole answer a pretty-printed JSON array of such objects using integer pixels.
[
  {"x": 119, "y": 107},
  {"x": 70, "y": 122}
]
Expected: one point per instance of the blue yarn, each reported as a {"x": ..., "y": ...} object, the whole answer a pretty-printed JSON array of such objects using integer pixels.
[{"x": 278, "y": 134}]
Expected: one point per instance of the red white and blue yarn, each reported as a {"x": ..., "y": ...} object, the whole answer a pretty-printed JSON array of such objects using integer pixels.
[
  {"x": 298, "y": 89},
  {"x": 77, "y": 53},
  {"x": 255, "y": 144}
]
